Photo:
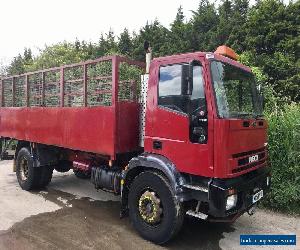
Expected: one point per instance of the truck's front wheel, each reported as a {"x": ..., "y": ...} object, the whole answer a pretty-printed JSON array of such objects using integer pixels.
[{"x": 153, "y": 209}]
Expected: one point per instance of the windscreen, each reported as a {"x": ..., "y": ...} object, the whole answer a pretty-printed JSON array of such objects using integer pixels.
[{"x": 235, "y": 91}]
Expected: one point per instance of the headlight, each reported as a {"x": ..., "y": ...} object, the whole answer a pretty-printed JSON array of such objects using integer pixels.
[{"x": 231, "y": 201}]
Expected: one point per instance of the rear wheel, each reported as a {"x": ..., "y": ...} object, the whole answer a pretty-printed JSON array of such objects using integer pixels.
[
  {"x": 153, "y": 209},
  {"x": 46, "y": 176},
  {"x": 82, "y": 174},
  {"x": 28, "y": 176}
]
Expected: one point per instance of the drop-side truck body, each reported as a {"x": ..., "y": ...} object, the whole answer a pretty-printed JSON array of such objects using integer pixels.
[{"x": 187, "y": 139}]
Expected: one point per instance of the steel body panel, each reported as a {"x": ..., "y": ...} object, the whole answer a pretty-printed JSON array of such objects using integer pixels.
[
  {"x": 225, "y": 136},
  {"x": 128, "y": 127},
  {"x": 232, "y": 138},
  {"x": 172, "y": 128},
  {"x": 85, "y": 129},
  {"x": 106, "y": 130}
]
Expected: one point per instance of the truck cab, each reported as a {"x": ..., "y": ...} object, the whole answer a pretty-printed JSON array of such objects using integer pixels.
[{"x": 204, "y": 122}]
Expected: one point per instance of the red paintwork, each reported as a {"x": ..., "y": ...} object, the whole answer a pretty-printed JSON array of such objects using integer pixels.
[
  {"x": 86, "y": 129},
  {"x": 225, "y": 137},
  {"x": 115, "y": 129},
  {"x": 232, "y": 138},
  {"x": 82, "y": 165},
  {"x": 106, "y": 130},
  {"x": 127, "y": 127}
]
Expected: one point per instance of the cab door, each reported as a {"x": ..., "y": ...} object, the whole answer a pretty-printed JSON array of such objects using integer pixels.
[{"x": 177, "y": 122}]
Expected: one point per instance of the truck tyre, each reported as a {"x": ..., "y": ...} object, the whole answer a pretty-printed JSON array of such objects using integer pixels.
[
  {"x": 46, "y": 176},
  {"x": 82, "y": 174},
  {"x": 28, "y": 176},
  {"x": 153, "y": 209}
]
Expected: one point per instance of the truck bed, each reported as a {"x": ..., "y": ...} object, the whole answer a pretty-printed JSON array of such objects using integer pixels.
[{"x": 96, "y": 126}]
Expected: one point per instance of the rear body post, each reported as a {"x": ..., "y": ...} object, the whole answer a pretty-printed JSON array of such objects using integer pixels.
[
  {"x": 27, "y": 91},
  {"x": 13, "y": 91},
  {"x": 85, "y": 85},
  {"x": 62, "y": 91}
]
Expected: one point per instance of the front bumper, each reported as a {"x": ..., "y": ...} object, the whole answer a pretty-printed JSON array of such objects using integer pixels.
[{"x": 245, "y": 186}]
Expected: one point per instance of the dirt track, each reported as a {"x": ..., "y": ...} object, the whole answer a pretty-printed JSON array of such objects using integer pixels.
[{"x": 70, "y": 214}]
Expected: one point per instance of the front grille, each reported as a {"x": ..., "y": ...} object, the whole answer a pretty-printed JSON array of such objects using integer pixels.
[
  {"x": 248, "y": 152},
  {"x": 243, "y": 162}
]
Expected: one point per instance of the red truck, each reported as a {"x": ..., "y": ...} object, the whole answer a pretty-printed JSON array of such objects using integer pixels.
[{"x": 188, "y": 138}]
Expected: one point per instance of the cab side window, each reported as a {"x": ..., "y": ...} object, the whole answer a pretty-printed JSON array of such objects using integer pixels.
[{"x": 170, "y": 88}]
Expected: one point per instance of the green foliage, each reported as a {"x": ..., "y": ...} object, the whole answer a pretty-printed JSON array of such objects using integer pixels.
[
  {"x": 179, "y": 38},
  {"x": 125, "y": 45},
  {"x": 273, "y": 40},
  {"x": 204, "y": 26},
  {"x": 56, "y": 55},
  {"x": 284, "y": 153},
  {"x": 154, "y": 33}
]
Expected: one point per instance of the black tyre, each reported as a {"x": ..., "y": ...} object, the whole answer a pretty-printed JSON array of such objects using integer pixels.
[
  {"x": 82, "y": 174},
  {"x": 153, "y": 209},
  {"x": 46, "y": 176},
  {"x": 28, "y": 176}
]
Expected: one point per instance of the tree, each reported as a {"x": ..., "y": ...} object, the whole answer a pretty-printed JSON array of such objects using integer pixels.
[
  {"x": 154, "y": 33},
  {"x": 204, "y": 26},
  {"x": 3, "y": 69},
  {"x": 107, "y": 44},
  {"x": 56, "y": 55},
  {"x": 125, "y": 45},
  {"x": 273, "y": 40},
  {"x": 16, "y": 67},
  {"x": 179, "y": 37},
  {"x": 238, "y": 21},
  {"x": 225, "y": 25}
]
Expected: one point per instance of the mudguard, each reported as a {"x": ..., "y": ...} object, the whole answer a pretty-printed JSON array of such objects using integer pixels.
[
  {"x": 158, "y": 162},
  {"x": 148, "y": 161},
  {"x": 42, "y": 154}
]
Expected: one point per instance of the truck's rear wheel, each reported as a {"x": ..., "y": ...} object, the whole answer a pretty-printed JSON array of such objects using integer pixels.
[
  {"x": 82, "y": 174},
  {"x": 46, "y": 176},
  {"x": 153, "y": 209},
  {"x": 28, "y": 176}
]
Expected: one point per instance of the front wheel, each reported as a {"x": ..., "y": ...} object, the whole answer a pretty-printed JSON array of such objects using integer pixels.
[{"x": 153, "y": 209}]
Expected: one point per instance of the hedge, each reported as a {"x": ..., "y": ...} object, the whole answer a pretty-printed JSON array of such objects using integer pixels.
[{"x": 284, "y": 155}]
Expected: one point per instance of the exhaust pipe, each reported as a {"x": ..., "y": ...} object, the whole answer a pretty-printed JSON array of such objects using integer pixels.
[{"x": 148, "y": 55}]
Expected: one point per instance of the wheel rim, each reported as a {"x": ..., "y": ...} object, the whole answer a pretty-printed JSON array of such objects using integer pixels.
[
  {"x": 150, "y": 208},
  {"x": 24, "y": 169}
]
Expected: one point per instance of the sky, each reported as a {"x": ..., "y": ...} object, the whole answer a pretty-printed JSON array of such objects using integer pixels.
[{"x": 34, "y": 23}]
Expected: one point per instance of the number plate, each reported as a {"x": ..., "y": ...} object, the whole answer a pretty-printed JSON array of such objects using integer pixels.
[{"x": 256, "y": 197}]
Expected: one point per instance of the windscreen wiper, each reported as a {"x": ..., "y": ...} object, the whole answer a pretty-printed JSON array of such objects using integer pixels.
[{"x": 237, "y": 114}]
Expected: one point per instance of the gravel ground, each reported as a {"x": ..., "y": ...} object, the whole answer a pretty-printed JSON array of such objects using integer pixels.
[{"x": 71, "y": 214}]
